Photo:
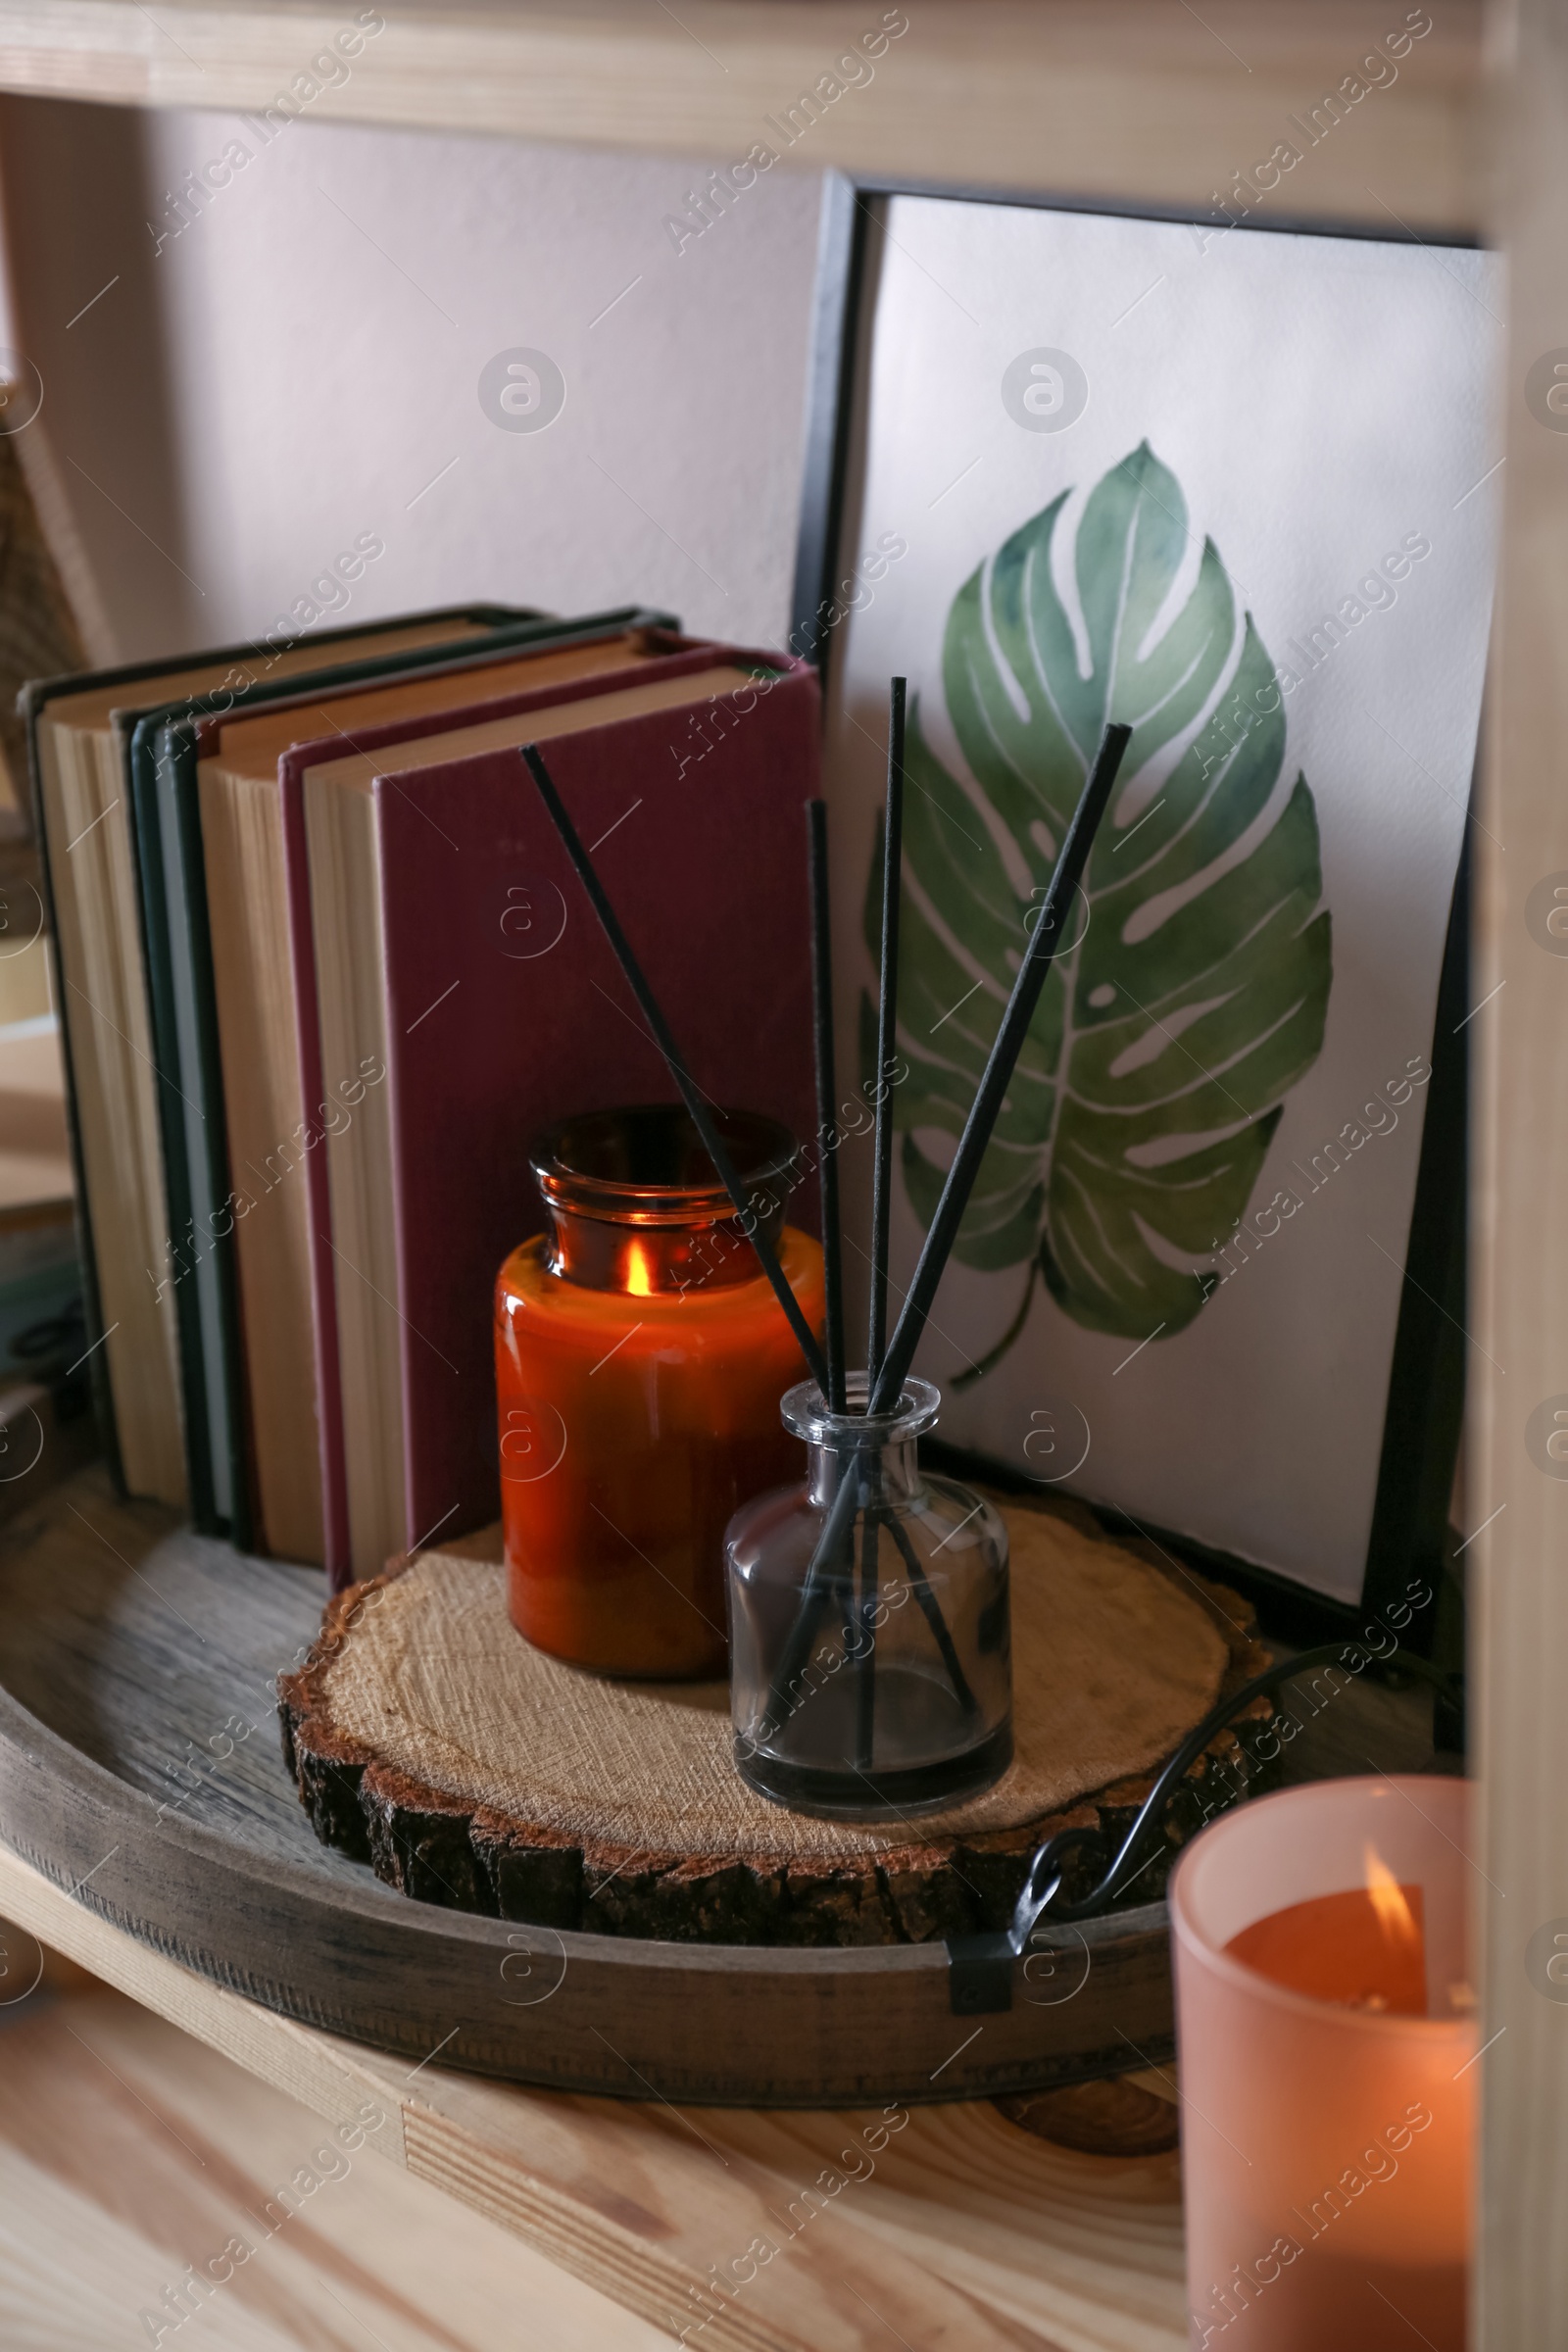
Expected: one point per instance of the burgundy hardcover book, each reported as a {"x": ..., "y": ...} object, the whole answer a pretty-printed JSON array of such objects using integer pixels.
[
  {"x": 292, "y": 766},
  {"x": 239, "y": 910},
  {"x": 505, "y": 1008}
]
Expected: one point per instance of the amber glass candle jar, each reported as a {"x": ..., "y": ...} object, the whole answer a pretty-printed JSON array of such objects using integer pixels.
[{"x": 640, "y": 1357}]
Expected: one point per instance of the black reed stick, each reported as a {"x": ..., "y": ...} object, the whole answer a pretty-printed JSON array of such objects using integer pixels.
[
  {"x": 1026, "y": 988},
  {"x": 815, "y": 1589},
  {"x": 815, "y": 1593},
  {"x": 931, "y": 1611},
  {"x": 887, "y": 1016},
  {"x": 702, "y": 1118},
  {"x": 865, "y": 1657},
  {"x": 827, "y": 1134}
]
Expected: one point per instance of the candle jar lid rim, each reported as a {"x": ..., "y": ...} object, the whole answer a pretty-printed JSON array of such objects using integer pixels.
[
  {"x": 807, "y": 1413},
  {"x": 563, "y": 1160}
]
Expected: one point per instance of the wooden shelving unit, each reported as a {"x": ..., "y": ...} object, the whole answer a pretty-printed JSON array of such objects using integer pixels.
[{"x": 1145, "y": 103}]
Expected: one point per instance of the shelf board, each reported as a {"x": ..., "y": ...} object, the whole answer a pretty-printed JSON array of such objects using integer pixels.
[
  {"x": 167, "y": 2144},
  {"x": 1132, "y": 101},
  {"x": 953, "y": 2226}
]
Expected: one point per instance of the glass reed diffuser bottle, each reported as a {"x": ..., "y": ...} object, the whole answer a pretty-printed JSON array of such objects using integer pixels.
[{"x": 870, "y": 1658}]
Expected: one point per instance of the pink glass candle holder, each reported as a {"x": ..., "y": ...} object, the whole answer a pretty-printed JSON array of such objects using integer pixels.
[{"x": 1326, "y": 2142}]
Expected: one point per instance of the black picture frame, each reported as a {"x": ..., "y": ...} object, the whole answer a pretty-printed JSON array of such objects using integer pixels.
[{"x": 1411, "y": 1543}]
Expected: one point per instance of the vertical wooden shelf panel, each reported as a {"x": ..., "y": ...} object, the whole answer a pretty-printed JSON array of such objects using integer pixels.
[{"x": 1519, "y": 1358}]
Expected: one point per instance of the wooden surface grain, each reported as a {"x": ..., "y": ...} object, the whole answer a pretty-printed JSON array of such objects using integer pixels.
[
  {"x": 1139, "y": 101},
  {"x": 949, "y": 2229},
  {"x": 132, "y": 2157}
]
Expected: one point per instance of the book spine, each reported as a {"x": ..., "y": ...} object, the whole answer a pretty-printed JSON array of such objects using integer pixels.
[
  {"x": 151, "y": 902},
  {"x": 324, "y": 1283},
  {"x": 212, "y": 1141},
  {"x": 96, "y": 1357}
]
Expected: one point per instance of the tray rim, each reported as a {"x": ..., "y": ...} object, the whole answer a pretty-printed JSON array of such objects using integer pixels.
[
  {"x": 378, "y": 1902},
  {"x": 44, "y": 1773}
]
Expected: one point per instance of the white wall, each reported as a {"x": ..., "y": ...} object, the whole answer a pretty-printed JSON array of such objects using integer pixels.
[{"x": 296, "y": 366}]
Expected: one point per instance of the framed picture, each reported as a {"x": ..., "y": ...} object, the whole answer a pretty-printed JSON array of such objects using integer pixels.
[{"x": 1235, "y": 484}]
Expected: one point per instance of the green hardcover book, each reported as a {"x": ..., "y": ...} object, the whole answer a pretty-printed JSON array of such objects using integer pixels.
[
  {"x": 120, "y": 1078},
  {"x": 228, "y": 1370}
]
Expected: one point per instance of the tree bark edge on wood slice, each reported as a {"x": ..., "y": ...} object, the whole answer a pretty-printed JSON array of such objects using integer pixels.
[{"x": 441, "y": 1848}]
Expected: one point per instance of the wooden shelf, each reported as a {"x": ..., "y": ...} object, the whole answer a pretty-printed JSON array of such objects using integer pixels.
[
  {"x": 128, "y": 2150},
  {"x": 1140, "y": 101},
  {"x": 959, "y": 2228}
]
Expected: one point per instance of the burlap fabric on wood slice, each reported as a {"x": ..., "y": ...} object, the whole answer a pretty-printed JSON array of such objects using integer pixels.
[{"x": 469, "y": 1769}]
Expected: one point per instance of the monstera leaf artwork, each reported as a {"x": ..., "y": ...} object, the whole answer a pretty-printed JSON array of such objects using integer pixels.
[{"x": 1166, "y": 1040}]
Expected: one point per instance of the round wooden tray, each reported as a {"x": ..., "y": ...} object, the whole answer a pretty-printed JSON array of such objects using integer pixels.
[{"x": 140, "y": 1768}]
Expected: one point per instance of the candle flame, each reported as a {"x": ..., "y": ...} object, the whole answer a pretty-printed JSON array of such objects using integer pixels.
[
  {"x": 639, "y": 1275},
  {"x": 1388, "y": 1900}
]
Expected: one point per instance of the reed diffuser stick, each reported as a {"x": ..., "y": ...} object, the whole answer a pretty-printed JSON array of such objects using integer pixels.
[
  {"x": 827, "y": 1134},
  {"x": 816, "y": 1587},
  {"x": 1026, "y": 988},
  {"x": 881, "y": 1205},
  {"x": 931, "y": 1610},
  {"x": 865, "y": 1653},
  {"x": 691, "y": 1094},
  {"x": 887, "y": 1016},
  {"x": 838, "y": 1530}
]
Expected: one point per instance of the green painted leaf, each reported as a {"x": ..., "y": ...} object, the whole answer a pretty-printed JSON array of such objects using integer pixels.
[{"x": 1151, "y": 1083}]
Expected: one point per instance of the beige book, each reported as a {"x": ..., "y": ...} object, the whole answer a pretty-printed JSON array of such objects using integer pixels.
[
  {"x": 264, "y": 1107},
  {"x": 344, "y": 843}
]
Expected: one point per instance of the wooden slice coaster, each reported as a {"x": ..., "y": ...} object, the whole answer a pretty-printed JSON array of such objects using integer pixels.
[{"x": 427, "y": 1737}]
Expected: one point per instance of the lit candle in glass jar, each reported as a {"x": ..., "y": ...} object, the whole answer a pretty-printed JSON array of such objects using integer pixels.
[
  {"x": 1326, "y": 2039},
  {"x": 640, "y": 1357}
]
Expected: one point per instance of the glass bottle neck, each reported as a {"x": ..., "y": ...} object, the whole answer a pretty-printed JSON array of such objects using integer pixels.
[{"x": 888, "y": 1474}]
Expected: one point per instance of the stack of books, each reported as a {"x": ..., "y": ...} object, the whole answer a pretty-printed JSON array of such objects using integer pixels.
[{"x": 324, "y": 972}]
